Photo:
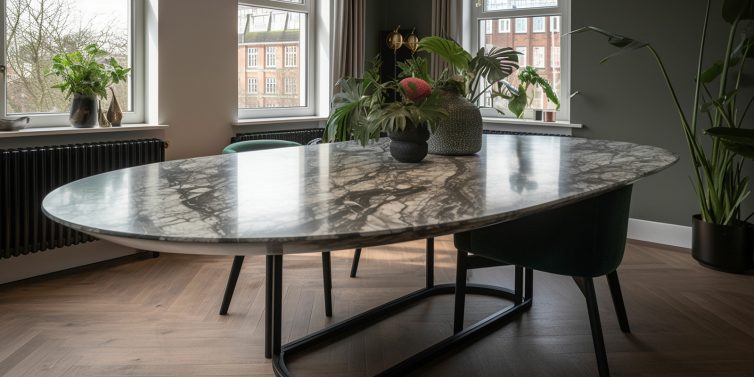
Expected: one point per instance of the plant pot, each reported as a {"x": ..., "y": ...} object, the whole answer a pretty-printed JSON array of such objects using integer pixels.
[
  {"x": 726, "y": 248},
  {"x": 461, "y": 132},
  {"x": 84, "y": 111},
  {"x": 409, "y": 145}
]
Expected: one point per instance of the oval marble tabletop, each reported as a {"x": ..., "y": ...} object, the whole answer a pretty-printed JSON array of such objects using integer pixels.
[{"x": 341, "y": 195}]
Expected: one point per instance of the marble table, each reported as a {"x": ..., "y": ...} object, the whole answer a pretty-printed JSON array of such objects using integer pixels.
[{"x": 341, "y": 196}]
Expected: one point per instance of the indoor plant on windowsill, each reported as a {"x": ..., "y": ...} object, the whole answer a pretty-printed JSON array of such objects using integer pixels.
[
  {"x": 469, "y": 78},
  {"x": 721, "y": 239},
  {"x": 406, "y": 110},
  {"x": 86, "y": 75}
]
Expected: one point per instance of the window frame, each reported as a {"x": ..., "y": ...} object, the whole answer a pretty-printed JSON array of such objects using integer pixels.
[
  {"x": 249, "y": 86},
  {"x": 534, "y": 28},
  {"x": 137, "y": 90},
  {"x": 270, "y": 81},
  {"x": 287, "y": 54},
  {"x": 543, "y": 61},
  {"x": 563, "y": 9},
  {"x": 248, "y": 57},
  {"x": 270, "y": 52},
  {"x": 307, "y": 48},
  {"x": 504, "y": 25}
]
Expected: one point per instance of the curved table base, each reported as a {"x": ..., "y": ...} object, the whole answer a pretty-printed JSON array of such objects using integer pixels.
[{"x": 522, "y": 302}]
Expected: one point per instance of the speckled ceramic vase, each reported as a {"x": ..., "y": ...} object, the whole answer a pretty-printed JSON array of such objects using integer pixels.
[
  {"x": 461, "y": 132},
  {"x": 409, "y": 145}
]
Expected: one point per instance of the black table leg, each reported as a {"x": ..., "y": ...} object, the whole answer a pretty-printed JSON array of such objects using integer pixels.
[{"x": 430, "y": 263}]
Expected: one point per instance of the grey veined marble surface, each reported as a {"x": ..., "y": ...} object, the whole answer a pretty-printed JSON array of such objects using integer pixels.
[{"x": 341, "y": 195}]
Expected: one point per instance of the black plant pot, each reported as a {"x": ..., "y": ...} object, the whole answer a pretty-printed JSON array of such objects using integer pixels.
[
  {"x": 728, "y": 248},
  {"x": 84, "y": 111},
  {"x": 409, "y": 145}
]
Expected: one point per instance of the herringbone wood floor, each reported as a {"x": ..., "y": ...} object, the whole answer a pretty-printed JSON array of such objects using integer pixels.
[{"x": 158, "y": 317}]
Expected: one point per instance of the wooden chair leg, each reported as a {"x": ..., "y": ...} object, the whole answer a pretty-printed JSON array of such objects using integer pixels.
[
  {"x": 355, "y": 263},
  {"x": 327, "y": 275},
  {"x": 235, "y": 271},
  {"x": 620, "y": 307},
  {"x": 587, "y": 287},
  {"x": 460, "y": 299}
]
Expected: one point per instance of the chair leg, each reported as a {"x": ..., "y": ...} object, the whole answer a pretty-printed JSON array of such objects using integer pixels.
[
  {"x": 620, "y": 307},
  {"x": 327, "y": 275},
  {"x": 460, "y": 299},
  {"x": 430, "y": 263},
  {"x": 235, "y": 271},
  {"x": 355, "y": 263},
  {"x": 268, "y": 286},
  {"x": 587, "y": 287}
]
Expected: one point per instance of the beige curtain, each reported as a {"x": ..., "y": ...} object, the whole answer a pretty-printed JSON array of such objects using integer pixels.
[
  {"x": 447, "y": 23},
  {"x": 347, "y": 39}
]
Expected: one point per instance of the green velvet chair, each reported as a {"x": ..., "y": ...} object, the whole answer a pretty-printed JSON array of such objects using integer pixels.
[{"x": 583, "y": 240}]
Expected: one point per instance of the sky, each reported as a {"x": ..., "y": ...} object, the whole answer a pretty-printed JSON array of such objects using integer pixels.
[{"x": 102, "y": 13}]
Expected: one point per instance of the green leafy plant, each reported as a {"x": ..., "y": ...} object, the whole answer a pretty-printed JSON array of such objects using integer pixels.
[
  {"x": 88, "y": 72},
  {"x": 718, "y": 181},
  {"x": 366, "y": 107},
  {"x": 472, "y": 76}
]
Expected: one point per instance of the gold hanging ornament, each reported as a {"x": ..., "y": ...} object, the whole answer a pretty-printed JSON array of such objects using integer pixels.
[
  {"x": 395, "y": 39},
  {"x": 412, "y": 42}
]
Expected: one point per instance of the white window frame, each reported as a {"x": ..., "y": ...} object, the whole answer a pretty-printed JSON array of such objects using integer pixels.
[
  {"x": 524, "y": 29},
  {"x": 252, "y": 85},
  {"x": 504, "y": 25},
  {"x": 538, "y": 60},
  {"x": 564, "y": 11},
  {"x": 488, "y": 27},
  {"x": 534, "y": 28},
  {"x": 270, "y": 82},
  {"x": 290, "y": 56},
  {"x": 553, "y": 54},
  {"x": 523, "y": 59},
  {"x": 270, "y": 52},
  {"x": 249, "y": 54},
  {"x": 289, "y": 85},
  {"x": 137, "y": 89},
  {"x": 307, "y": 48}
]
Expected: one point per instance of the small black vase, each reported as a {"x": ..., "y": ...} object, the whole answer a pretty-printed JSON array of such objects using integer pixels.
[
  {"x": 409, "y": 145},
  {"x": 728, "y": 248},
  {"x": 84, "y": 111}
]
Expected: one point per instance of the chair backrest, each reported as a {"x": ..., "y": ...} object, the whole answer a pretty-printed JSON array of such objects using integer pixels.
[
  {"x": 584, "y": 239},
  {"x": 258, "y": 145}
]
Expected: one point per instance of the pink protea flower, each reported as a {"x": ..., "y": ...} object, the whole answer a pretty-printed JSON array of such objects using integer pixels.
[{"x": 416, "y": 89}]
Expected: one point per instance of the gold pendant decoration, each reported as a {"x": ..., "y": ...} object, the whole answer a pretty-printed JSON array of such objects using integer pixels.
[
  {"x": 114, "y": 114},
  {"x": 103, "y": 122},
  {"x": 412, "y": 42},
  {"x": 395, "y": 39}
]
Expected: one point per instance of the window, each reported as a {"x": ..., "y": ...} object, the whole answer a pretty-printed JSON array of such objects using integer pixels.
[
  {"x": 270, "y": 86},
  {"x": 270, "y": 59},
  {"x": 538, "y": 57},
  {"x": 555, "y": 57},
  {"x": 252, "y": 54},
  {"x": 290, "y": 56},
  {"x": 252, "y": 85},
  {"x": 488, "y": 27},
  {"x": 504, "y": 25},
  {"x": 33, "y": 32},
  {"x": 279, "y": 30},
  {"x": 290, "y": 85},
  {"x": 536, "y": 27},
  {"x": 523, "y": 60}
]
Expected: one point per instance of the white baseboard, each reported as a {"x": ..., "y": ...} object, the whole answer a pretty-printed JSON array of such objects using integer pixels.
[
  {"x": 27, "y": 266},
  {"x": 661, "y": 233}
]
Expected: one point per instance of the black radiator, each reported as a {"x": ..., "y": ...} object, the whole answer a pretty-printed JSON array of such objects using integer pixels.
[
  {"x": 305, "y": 136},
  {"x": 28, "y": 174}
]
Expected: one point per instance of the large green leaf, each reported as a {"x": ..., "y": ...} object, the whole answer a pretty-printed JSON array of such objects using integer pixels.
[
  {"x": 625, "y": 44},
  {"x": 495, "y": 65},
  {"x": 737, "y": 140},
  {"x": 738, "y": 9},
  {"x": 517, "y": 104},
  {"x": 448, "y": 50}
]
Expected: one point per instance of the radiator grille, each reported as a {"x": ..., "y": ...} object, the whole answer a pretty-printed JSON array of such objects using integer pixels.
[
  {"x": 306, "y": 136},
  {"x": 28, "y": 174}
]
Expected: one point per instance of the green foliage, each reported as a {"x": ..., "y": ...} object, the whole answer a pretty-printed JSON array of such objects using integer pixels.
[
  {"x": 517, "y": 97},
  {"x": 87, "y": 72},
  {"x": 718, "y": 181},
  {"x": 415, "y": 67},
  {"x": 448, "y": 50}
]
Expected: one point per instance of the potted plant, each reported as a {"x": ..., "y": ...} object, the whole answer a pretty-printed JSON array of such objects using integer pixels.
[
  {"x": 406, "y": 110},
  {"x": 86, "y": 74},
  {"x": 471, "y": 77},
  {"x": 721, "y": 238}
]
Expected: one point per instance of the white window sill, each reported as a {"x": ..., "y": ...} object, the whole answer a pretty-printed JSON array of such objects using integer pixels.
[
  {"x": 48, "y": 131},
  {"x": 283, "y": 120},
  {"x": 530, "y": 122}
]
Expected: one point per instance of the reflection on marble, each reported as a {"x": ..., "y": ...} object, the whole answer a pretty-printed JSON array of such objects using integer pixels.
[{"x": 341, "y": 195}]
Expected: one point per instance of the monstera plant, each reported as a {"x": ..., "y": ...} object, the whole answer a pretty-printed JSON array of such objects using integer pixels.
[{"x": 721, "y": 236}]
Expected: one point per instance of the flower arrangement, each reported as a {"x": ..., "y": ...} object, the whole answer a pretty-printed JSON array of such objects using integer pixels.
[{"x": 367, "y": 107}]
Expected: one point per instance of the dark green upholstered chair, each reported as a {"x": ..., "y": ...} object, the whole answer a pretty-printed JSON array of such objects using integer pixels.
[{"x": 583, "y": 240}]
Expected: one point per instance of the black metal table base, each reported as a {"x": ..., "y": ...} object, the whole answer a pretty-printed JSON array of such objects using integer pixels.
[{"x": 354, "y": 324}]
